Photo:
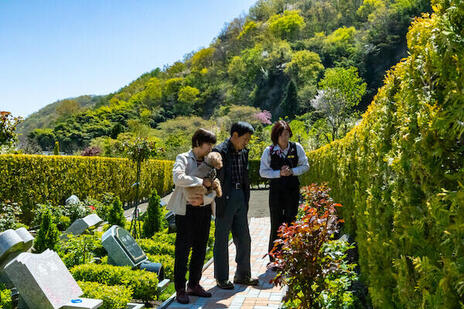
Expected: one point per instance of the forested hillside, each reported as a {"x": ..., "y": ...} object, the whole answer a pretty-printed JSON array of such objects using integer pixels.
[
  {"x": 284, "y": 57},
  {"x": 48, "y": 115}
]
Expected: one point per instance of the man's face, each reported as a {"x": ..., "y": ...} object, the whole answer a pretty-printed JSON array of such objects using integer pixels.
[{"x": 240, "y": 142}]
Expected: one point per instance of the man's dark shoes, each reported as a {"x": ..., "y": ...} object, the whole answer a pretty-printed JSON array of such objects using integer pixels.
[
  {"x": 247, "y": 281},
  {"x": 225, "y": 285},
  {"x": 197, "y": 290},
  {"x": 182, "y": 297}
]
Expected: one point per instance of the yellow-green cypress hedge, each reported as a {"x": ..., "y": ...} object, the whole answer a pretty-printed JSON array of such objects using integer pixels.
[
  {"x": 400, "y": 172},
  {"x": 32, "y": 179}
]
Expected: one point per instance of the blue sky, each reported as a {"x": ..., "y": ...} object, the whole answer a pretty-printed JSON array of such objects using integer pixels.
[{"x": 51, "y": 50}]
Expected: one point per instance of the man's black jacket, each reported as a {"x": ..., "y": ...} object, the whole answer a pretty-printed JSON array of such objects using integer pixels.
[{"x": 225, "y": 176}]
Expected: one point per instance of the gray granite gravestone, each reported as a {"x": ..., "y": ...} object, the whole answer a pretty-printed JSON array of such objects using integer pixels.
[
  {"x": 72, "y": 200},
  {"x": 13, "y": 242},
  {"x": 122, "y": 248},
  {"x": 80, "y": 225},
  {"x": 42, "y": 280}
]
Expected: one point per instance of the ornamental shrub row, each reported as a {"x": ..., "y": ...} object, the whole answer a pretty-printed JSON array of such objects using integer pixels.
[
  {"x": 5, "y": 298},
  {"x": 114, "y": 297},
  {"x": 33, "y": 179},
  {"x": 155, "y": 247},
  {"x": 400, "y": 172},
  {"x": 168, "y": 264},
  {"x": 144, "y": 284}
]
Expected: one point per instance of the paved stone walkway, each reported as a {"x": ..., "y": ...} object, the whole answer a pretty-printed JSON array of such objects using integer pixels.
[{"x": 265, "y": 295}]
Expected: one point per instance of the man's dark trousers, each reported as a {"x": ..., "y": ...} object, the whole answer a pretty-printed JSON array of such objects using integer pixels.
[
  {"x": 192, "y": 233},
  {"x": 233, "y": 219}
]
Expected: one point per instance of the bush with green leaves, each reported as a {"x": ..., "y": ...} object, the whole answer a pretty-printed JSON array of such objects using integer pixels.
[
  {"x": 400, "y": 172},
  {"x": 167, "y": 261},
  {"x": 56, "y": 150},
  {"x": 9, "y": 215},
  {"x": 8, "y": 125},
  {"x": 116, "y": 214},
  {"x": 164, "y": 237},
  {"x": 63, "y": 215},
  {"x": 82, "y": 249},
  {"x": 102, "y": 208},
  {"x": 5, "y": 298},
  {"x": 144, "y": 284},
  {"x": 152, "y": 218},
  {"x": 63, "y": 223},
  {"x": 48, "y": 235},
  {"x": 113, "y": 296},
  {"x": 156, "y": 247},
  {"x": 76, "y": 210},
  {"x": 338, "y": 291}
]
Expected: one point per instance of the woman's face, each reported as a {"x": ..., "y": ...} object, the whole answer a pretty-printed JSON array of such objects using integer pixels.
[
  {"x": 204, "y": 149},
  {"x": 284, "y": 137}
]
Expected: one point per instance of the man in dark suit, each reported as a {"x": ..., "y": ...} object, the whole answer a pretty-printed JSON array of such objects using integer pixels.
[{"x": 232, "y": 208}]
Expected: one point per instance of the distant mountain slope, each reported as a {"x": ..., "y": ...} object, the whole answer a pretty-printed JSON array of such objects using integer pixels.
[{"x": 48, "y": 115}]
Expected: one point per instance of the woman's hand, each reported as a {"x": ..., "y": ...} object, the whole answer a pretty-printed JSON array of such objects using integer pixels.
[{"x": 286, "y": 171}]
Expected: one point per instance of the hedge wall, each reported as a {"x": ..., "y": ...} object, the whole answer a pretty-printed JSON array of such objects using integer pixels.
[
  {"x": 35, "y": 179},
  {"x": 400, "y": 172},
  {"x": 143, "y": 284},
  {"x": 255, "y": 180}
]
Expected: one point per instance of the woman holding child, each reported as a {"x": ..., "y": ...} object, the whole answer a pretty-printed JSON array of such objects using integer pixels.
[{"x": 193, "y": 216}]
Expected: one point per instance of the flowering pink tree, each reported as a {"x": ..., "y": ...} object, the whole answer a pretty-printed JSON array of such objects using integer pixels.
[{"x": 264, "y": 117}]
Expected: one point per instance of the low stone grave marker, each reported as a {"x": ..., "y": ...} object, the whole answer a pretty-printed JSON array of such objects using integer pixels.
[
  {"x": 42, "y": 280},
  {"x": 80, "y": 225},
  {"x": 123, "y": 250}
]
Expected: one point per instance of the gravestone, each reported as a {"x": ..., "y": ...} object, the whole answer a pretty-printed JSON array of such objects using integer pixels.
[
  {"x": 42, "y": 280},
  {"x": 170, "y": 217},
  {"x": 80, "y": 225},
  {"x": 122, "y": 248},
  {"x": 72, "y": 200},
  {"x": 13, "y": 242}
]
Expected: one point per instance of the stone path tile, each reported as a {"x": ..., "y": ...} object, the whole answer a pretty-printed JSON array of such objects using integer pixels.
[{"x": 265, "y": 295}]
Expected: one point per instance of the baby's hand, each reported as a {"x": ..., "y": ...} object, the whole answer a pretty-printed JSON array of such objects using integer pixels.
[{"x": 207, "y": 183}]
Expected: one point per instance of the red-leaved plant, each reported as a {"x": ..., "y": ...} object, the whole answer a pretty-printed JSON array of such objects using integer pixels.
[{"x": 297, "y": 251}]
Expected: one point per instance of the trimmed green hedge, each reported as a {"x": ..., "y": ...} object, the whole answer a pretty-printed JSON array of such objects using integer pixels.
[
  {"x": 155, "y": 247},
  {"x": 167, "y": 261},
  {"x": 5, "y": 298},
  {"x": 144, "y": 284},
  {"x": 400, "y": 172},
  {"x": 114, "y": 297},
  {"x": 33, "y": 179},
  {"x": 255, "y": 179}
]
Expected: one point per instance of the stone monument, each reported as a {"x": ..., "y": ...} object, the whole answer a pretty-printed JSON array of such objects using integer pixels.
[
  {"x": 42, "y": 280},
  {"x": 80, "y": 225},
  {"x": 123, "y": 250}
]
